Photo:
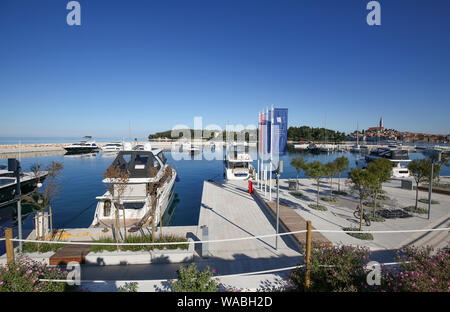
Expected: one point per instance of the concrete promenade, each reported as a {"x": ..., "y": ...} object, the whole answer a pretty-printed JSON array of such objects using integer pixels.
[
  {"x": 340, "y": 215},
  {"x": 229, "y": 212}
]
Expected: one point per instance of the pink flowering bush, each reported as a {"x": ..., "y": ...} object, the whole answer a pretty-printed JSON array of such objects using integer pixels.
[
  {"x": 24, "y": 276},
  {"x": 343, "y": 269},
  {"x": 420, "y": 270},
  {"x": 337, "y": 268}
]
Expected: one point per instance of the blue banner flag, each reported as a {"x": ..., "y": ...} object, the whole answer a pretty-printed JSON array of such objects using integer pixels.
[
  {"x": 268, "y": 130},
  {"x": 280, "y": 122}
]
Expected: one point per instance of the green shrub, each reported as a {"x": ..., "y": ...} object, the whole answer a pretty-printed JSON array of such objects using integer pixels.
[
  {"x": 363, "y": 236},
  {"x": 339, "y": 193},
  {"x": 190, "y": 279},
  {"x": 370, "y": 204},
  {"x": 24, "y": 276},
  {"x": 337, "y": 269},
  {"x": 139, "y": 239},
  {"x": 330, "y": 199},
  {"x": 419, "y": 271},
  {"x": 343, "y": 269},
  {"x": 318, "y": 207},
  {"x": 128, "y": 287},
  {"x": 441, "y": 185},
  {"x": 296, "y": 193},
  {"x": 32, "y": 247},
  {"x": 425, "y": 201},
  {"x": 375, "y": 218},
  {"x": 383, "y": 197},
  {"x": 418, "y": 210}
]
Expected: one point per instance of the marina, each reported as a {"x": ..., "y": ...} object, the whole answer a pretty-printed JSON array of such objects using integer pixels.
[
  {"x": 224, "y": 209},
  {"x": 219, "y": 146}
]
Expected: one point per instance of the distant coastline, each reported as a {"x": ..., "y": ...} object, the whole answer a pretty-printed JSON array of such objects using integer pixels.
[{"x": 55, "y": 140}]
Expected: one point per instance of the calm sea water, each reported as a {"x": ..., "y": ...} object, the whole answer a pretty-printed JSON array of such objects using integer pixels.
[
  {"x": 43, "y": 140},
  {"x": 81, "y": 182}
]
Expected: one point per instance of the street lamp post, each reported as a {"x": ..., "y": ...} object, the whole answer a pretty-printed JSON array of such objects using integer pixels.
[
  {"x": 277, "y": 175},
  {"x": 435, "y": 156},
  {"x": 14, "y": 165}
]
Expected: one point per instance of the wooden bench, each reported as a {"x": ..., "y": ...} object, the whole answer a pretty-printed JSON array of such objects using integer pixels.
[{"x": 293, "y": 222}]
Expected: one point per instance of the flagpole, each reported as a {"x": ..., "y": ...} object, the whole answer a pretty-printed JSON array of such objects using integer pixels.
[
  {"x": 262, "y": 151},
  {"x": 257, "y": 150},
  {"x": 270, "y": 165}
]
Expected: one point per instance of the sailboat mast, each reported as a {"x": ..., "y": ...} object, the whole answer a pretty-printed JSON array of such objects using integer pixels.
[{"x": 357, "y": 133}]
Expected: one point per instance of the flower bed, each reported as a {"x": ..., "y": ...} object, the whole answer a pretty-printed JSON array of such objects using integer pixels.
[
  {"x": 338, "y": 268},
  {"x": 363, "y": 236},
  {"x": 141, "y": 254},
  {"x": 339, "y": 193},
  {"x": 318, "y": 207},
  {"x": 330, "y": 199},
  {"x": 418, "y": 210},
  {"x": 383, "y": 197},
  {"x": 371, "y": 205},
  {"x": 420, "y": 271},
  {"x": 43, "y": 248},
  {"x": 24, "y": 276},
  {"x": 140, "y": 239},
  {"x": 296, "y": 193},
  {"x": 425, "y": 201},
  {"x": 342, "y": 269}
]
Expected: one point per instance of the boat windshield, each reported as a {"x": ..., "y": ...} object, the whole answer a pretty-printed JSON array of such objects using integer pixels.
[
  {"x": 137, "y": 164},
  {"x": 400, "y": 154},
  {"x": 162, "y": 157},
  {"x": 234, "y": 165},
  {"x": 133, "y": 205}
]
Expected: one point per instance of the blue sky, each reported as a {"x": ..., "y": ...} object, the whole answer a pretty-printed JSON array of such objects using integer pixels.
[{"x": 160, "y": 63}]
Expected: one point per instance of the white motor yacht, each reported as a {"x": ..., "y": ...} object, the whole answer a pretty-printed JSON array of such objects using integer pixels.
[
  {"x": 238, "y": 166},
  {"x": 190, "y": 148},
  {"x": 82, "y": 147},
  {"x": 8, "y": 182},
  {"x": 355, "y": 149},
  {"x": 112, "y": 147},
  {"x": 398, "y": 157},
  {"x": 147, "y": 194}
]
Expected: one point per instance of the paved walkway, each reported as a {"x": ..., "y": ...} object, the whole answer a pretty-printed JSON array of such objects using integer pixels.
[
  {"x": 229, "y": 212},
  {"x": 340, "y": 214}
]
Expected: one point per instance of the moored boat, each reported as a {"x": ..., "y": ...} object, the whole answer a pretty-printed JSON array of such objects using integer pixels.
[
  {"x": 148, "y": 192},
  {"x": 237, "y": 166}
]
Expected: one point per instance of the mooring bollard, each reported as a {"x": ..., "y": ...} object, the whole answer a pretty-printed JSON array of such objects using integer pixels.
[
  {"x": 308, "y": 254},
  {"x": 205, "y": 246},
  {"x": 9, "y": 246}
]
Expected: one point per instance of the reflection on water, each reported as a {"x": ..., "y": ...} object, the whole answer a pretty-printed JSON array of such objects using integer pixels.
[
  {"x": 31, "y": 154},
  {"x": 81, "y": 182}
]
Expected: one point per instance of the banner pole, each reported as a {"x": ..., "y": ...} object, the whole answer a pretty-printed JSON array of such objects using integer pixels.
[
  {"x": 258, "y": 177},
  {"x": 271, "y": 151}
]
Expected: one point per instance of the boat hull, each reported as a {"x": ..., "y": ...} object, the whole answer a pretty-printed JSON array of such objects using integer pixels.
[
  {"x": 134, "y": 217},
  {"x": 8, "y": 192},
  {"x": 81, "y": 150}
]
